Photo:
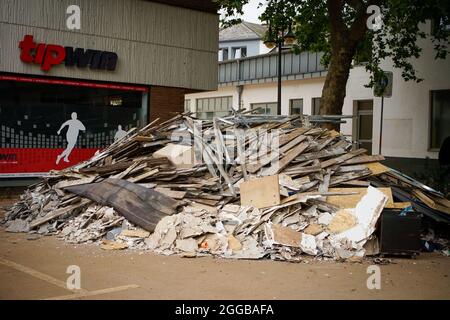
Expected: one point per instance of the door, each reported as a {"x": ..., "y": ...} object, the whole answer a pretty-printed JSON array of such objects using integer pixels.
[{"x": 364, "y": 124}]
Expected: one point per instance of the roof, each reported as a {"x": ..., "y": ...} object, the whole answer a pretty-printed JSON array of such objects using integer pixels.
[{"x": 242, "y": 31}]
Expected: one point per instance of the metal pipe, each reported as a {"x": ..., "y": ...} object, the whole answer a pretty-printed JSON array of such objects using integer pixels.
[{"x": 280, "y": 46}]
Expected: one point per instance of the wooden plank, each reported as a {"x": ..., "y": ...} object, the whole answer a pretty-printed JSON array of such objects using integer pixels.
[
  {"x": 119, "y": 166},
  {"x": 280, "y": 164},
  {"x": 144, "y": 175},
  {"x": 356, "y": 183},
  {"x": 350, "y": 201},
  {"x": 58, "y": 212},
  {"x": 377, "y": 168},
  {"x": 67, "y": 183},
  {"x": 342, "y": 158},
  {"x": 336, "y": 180},
  {"x": 296, "y": 171},
  {"x": 398, "y": 205},
  {"x": 323, "y": 187},
  {"x": 365, "y": 159},
  {"x": 252, "y": 168},
  {"x": 260, "y": 192},
  {"x": 240, "y": 137},
  {"x": 171, "y": 193},
  {"x": 430, "y": 202},
  {"x": 351, "y": 168},
  {"x": 292, "y": 135}
]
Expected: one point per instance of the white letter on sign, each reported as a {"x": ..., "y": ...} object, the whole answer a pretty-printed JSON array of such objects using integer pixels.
[{"x": 74, "y": 20}]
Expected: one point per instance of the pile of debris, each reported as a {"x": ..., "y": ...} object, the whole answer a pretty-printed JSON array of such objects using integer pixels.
[{"x": 242, "y": 186}]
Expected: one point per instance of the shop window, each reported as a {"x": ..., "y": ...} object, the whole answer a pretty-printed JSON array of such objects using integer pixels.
[
  {"x": 207, "y": 108},
  {"x": 32, "y": 114},
  {"x": 296, "y": 106},
  {"x": 440, "y": 117},
  {"x": 269, "y": 108}
]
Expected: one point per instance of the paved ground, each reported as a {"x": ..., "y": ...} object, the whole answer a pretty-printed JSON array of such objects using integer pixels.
[{"x": 36, "y": 269}]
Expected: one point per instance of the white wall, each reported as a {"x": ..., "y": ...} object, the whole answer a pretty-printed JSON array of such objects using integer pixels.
[
  {"x": 296, "y": 89},
  {"x": 253, "y": 47}
]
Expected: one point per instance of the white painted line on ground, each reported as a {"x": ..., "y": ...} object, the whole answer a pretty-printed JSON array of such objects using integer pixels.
[
  {"x": 39, "y": 275},
  {"x": 94, "y": 293}
]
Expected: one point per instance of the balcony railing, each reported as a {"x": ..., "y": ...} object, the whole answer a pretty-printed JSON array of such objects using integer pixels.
[{"x": 263, "y": 68}]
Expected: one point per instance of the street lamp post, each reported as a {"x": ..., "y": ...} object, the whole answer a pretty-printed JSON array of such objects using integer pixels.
[{"x": 278, "y": 38}]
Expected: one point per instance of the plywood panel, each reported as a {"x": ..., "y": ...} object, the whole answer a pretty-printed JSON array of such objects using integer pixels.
[
  {"x": 260, "y": 192},
  {"x": 350, "y": 201}
]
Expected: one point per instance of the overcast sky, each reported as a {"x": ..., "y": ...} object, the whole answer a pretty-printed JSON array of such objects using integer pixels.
[{"x": 251, "y": 11}]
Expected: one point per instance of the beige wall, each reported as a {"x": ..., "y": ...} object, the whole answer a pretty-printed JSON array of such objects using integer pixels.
[{"x": 156, "y": 44}]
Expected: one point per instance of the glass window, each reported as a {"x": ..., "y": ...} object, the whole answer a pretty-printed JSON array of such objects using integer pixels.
[
  {"x": 52, "y": 126},
  {"x": 187, "y": 105},
  {"x": 316, "y": 102},
  {"x": 296, "y": 106},
  {"x": 207, "y": 108},
  {"x": 223, "y": 54},
  {"x": 440, "y": 117},
  {"x": 265, "y": 108},
  {"x": 239, "y": 52},
  {"x": 38, "y": 110}
]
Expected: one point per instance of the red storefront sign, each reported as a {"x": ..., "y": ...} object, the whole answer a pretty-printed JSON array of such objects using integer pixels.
[
  {"x": 19, "y": 161},
  {"x": 75, "y": 83},
  {"x": 48, "y": 55}
]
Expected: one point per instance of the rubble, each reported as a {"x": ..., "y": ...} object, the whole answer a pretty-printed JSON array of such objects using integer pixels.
[{"x": 243, "y": 186}]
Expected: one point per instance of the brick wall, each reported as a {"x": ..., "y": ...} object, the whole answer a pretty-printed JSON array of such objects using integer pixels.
[{"x": 165, "y": 102}]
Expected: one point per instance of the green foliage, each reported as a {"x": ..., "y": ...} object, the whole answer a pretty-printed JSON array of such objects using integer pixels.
[{"x": 398, "y": 39}]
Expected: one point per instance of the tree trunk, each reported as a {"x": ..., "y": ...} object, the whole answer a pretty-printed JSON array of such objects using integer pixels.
[
  {"x": 344, "y": 41},
  {"x": 333, "y": 92}
]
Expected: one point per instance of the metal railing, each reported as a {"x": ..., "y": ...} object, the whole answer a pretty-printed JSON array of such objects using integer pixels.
[{"x": 263, "y": 68}]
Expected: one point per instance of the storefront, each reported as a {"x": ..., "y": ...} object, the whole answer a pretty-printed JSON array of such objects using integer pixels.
[
  {"x": 66, "y": 94},
  {"x": 36, "y": 112}
]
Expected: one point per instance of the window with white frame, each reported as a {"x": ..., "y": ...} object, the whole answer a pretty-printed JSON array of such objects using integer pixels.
[
  {"x": 223, "y": 54},
  {"x": 187, "y": 105},
  {"x": 207, "y": 108},
  {"x": 440, "y": 117},
  {"x": 239, "y": 52}
]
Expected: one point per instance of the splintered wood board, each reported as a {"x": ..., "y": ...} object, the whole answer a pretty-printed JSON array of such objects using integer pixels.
[
  {"x": 398, "y": 205},
  {"x": 260, "y": 192},
  {"x": 377, "y": 168},
  {"x": 350, "y": 201}
]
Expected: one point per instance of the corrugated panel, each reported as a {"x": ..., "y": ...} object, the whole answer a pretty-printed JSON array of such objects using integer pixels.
[
  {"x": 124, "y": 19},
  {"x": 264, "y": 67},
  {"x": 157, "y": 44}
]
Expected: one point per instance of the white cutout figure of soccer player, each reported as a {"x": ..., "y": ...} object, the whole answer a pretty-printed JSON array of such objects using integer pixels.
[
  {"x": 75, "y": 126},
  {"x": 120, "y": 133}
]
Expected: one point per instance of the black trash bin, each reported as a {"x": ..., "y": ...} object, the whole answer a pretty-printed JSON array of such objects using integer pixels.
[{"x": 400, "y": 233}]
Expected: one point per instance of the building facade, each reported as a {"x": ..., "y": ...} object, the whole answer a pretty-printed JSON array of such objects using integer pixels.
[
  {"x": 241, "y": 40},
  {"x": 416, "y": 119},
  {"x": 66, "y": 93}
]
